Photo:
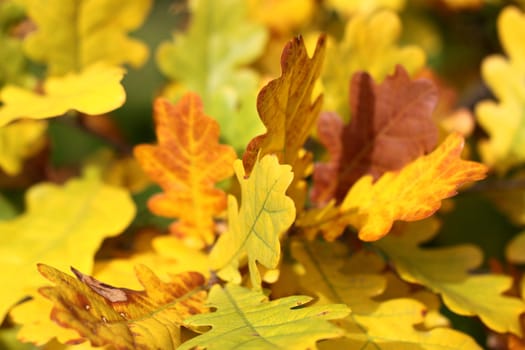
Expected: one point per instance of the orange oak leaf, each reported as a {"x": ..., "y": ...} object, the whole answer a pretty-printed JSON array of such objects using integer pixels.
[
  {"x": 187, "y": 163},
  {"x": 285, "y": 106},
  {"x": 391, "y": 125},
  {"x": 413, "y": 193},
  {"x": 124, "y": 318}
]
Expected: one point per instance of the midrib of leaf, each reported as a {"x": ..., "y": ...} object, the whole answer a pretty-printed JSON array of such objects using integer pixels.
[
  {"x": 243, "y": 243},
  {"x": 246, "y": 321},
  {"x": 164, "y": 307},
  {"x": 331, "y": 288}
]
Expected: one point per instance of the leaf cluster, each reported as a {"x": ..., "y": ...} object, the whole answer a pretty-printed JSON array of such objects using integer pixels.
[{"x": 295, "y": 192}]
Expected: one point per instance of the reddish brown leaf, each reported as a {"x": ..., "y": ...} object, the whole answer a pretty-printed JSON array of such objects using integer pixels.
[
  {"x": 124, "y": 318},
  {"x": 391, "y": 126}
]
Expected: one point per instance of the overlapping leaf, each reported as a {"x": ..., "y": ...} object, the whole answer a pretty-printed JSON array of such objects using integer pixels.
[
  {"x": 369, "y": 44},
  {"x": 246, "y": 319},
  {"x": 124, "y": 318},
  {"x": 209, "y": 60},
  {"x": 332, "y": 275},
  {"x": 255, "y": 228},
  {"x": 413, "y": 193},
  {"x": 504, "y": 120},
  {"x": 73, "y": 35},
  {"x": 167, "y": 255},
  {"x": 286, "y": 108},
  {"x": 187, "y": 163},
  {"x": 62, "y": 225},
  {"x": 446, "y": 271},
  {"x": 391, "y": 126},
  {"x": 95, "y": 90},
  {"x": 19, "y": 141}
]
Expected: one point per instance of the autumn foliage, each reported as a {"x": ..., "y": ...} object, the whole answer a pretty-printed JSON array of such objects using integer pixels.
[{"x": 295, "y": 185}]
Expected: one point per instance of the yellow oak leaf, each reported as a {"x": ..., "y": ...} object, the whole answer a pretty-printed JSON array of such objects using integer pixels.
[
  {"x": 19, "y": 141},
  {"x": 282, "y": 16},
  {"x": 504, "y": 120},
  {"x": 95, "y": 90},
  {"x": 369, "y": 44},
  {"x": 254, "y": 229},
  {"x": 445, "y": 270},
  {"x": 413, "y": 193},
  {"x": 124, "y": 318},
  {"x": 62, "y": 225},
  {"x": 285, "y": 106},
  {"x": 333, "y": 275},
  {"x": 187, "y": 163},
  {"x": 246, "y": 319},
  {"x": 72, "y": 35},
  {"x": 351, "y": 7}
]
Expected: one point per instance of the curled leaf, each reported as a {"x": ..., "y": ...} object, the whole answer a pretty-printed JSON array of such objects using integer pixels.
[{"x": 124, "y": 318}]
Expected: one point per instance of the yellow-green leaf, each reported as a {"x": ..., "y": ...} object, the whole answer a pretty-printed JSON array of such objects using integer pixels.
[
  {"x": 504, "y": 120},
  {"x": 72, "y": 35},
  {"x": 246, "y": 319},
  {"x": 62, "y": 225},
  {"x": 19, "y": 141},
  {"x": 369, "y": 44},
  {"x": 95, "y": 90},
  {"x": 333, "y": 275},
  {"x": 254, "y": 229},
  {"x": 446, "y": 271},
  {"x": 210, "y": 60},
  {"x": 124, "y": 318}
]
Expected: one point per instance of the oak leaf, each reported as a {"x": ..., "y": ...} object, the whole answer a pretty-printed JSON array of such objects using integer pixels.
[
  {"x": 62, "y": 225},
  {"x": 95, "y": 90},
  {"x": 503, "y": 120},
  {"x": 349, "y": 8},
  {"x": 124, "y": 318},
  {"x": 211, "y": 58},
  {"x": 333, "y": 275},
  {"x": 18, "y": 141},
  {"x": 187, "y": 163},
  {"x": 72, "y": 35},
  {"x": 413, "y": 193},
  {"x": 369, "y": 44},
  {"x": 282, "y": 16},
  {"x": 445, "y": 270},
  {"x": 254, "y": 229},
  {"x": 247, "y": 318},
  {"x": 391, "y": 126},
  {"x": 285, "y": 106}
]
